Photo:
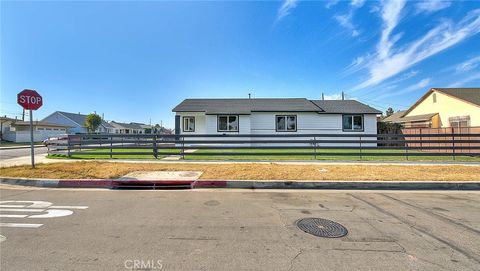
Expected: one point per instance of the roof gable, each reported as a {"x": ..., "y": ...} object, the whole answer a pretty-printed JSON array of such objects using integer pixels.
[
  {"x": 470, "y": 95},
  {"x": 80, "y": 119}
]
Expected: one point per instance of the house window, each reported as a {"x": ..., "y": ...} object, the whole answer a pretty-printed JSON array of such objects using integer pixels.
[
  {"x": 189, "y": 124},
  {"x": 286, "y": 123},
  {"x": 40, "y": 129},
  {"x": 434, "y": 97},
  {"x": 227, "y": 123},
  {"x": 352, "y": 123},
  {"x": 459, "y": 121}
]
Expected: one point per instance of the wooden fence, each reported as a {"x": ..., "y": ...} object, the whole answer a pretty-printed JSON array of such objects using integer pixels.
[{"x": 460, "y": 140}]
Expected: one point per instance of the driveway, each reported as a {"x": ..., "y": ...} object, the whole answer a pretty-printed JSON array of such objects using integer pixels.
[{"x": 239, "y": 230}]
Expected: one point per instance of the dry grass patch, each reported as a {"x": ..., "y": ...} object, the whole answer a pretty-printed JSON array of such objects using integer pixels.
[{"x": 252, "y": 171}]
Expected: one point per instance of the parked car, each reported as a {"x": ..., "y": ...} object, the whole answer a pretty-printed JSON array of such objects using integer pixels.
[{"x": 54, "y": 141}]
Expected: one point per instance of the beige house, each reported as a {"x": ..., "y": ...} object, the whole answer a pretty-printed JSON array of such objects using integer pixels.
[{"x": 441, "y": 108}]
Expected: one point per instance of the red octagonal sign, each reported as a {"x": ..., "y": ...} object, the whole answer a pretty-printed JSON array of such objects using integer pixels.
[{"x": 29, "y": 99}]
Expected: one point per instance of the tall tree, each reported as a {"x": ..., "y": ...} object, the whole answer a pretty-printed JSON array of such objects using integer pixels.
[
  {"x": 92, "y": 122},
  {"x": 389, "y": 112}
]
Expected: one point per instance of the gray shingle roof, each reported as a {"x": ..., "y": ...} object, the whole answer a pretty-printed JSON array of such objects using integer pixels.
[
  {"x": 345, "y": 106},
  {"x": 80, "y": 118},
  {"x": 246, "y": 106},
  {"x": 131, "y": 125},
  {"x": 467, "y": 94},
  {"x": 38, "y": 123},
  {"x": 401, "y": 119},
  {"x": 395, "y": 116}
]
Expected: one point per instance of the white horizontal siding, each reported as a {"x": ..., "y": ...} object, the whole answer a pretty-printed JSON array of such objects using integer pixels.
[
  {"x": 58, "y": 118},
  {"x": 264, "y": 123},
  {"x": 24, "y": 136},
  {"x": 200, "y": 127}
]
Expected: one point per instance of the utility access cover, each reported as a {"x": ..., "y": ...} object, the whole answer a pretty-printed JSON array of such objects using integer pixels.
[{"x": 322, "y": 227}]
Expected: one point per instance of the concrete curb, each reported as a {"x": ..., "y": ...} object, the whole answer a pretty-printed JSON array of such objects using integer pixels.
[
  {"x": 246, "y": 184},
  {"x": 355, "y": 185}
]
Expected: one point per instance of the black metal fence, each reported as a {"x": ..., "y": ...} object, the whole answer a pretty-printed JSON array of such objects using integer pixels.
[{"x": 290, "y": 145}]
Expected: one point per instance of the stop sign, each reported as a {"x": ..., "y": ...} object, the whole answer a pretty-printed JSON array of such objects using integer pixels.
[{"x": 29, "y": 99}]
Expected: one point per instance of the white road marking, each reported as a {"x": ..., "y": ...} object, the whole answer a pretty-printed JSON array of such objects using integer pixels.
[
  {"x": 20, "y": 225},
  {"x": 17, "y": 216},
  {"x": 2, "y": 238},
  {"x": 53, "y": 213},
  {"x": 46, "y": 209},
  {"x": 27, "y": 203},
  {"x": 69, "y": 207},
  {"x": 22, "y": 210}
]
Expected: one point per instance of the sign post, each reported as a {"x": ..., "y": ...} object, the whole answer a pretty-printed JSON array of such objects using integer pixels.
[{"x": 29, "y": 99}]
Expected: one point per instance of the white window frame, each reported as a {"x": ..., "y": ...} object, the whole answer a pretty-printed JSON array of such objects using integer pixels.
[
  {"x": 187, "y": 128},
  {"x": 228, "y": 121},
  {"x": 286, "y": 123},
  {"x": 352, "y": 116}
]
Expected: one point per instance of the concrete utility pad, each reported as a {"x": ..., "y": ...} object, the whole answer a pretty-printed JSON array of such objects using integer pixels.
[{"x": 162, "y": 175}]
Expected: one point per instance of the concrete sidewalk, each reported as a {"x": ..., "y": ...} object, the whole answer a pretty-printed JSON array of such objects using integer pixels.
[
  {"x": 20, "y": 147},
  {"x": 39, "y": 159}
]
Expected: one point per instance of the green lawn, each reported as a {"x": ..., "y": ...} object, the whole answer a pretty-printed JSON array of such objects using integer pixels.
[
  {"x": 116, "y": 154},
  {"x": 206, "y": 155}
]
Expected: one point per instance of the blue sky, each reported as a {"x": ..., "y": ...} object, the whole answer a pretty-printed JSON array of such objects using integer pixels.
[{"x": 134, "y": 61}]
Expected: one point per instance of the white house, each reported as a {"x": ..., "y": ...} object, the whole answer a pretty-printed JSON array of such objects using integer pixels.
[
  {"x": 5, "y": 124},
  {"x": 130, "y": 128},
  {"x": 76, "y": 122},
  {"x": 274, "y": 116},
  {"x": 19, "y": 131}
]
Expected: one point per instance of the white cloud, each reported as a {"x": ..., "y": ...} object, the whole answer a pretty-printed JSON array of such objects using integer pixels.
[
  {"x": 331, "y": 3},
  {"x": 468, "y": 65},
  {"x": 422, "y": 84},
  {"x": 357, "y": 3},
  {"x": 332, "y": 97},
  {"x": 390, "y": 59},
  {"x": 464, "y": 81},
  {"x": 285, "y": 8},
  {"x": 346, "y": 20},
  {"x": 431, "y": 6}
]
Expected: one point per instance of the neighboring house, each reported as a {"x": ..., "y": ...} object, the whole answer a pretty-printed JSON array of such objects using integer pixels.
[
  {"x": 76, "y": 122},
  {"x": 130, "y": 128},
  {"x": 440, "y": 108},
  {"x": 19, "y": 131},
  {"x": 274, "y": 116},
  {"x": 5, "y": 124},
  {"x": 147, "y": 129}
]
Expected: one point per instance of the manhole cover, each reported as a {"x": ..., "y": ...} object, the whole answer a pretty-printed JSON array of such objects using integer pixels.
[{"x": 322, "y": 227}]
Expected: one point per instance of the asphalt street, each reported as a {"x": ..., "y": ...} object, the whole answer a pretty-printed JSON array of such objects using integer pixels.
[
  {"x": 67, "y": 229},
  {"x": 15, "y": 153}
]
